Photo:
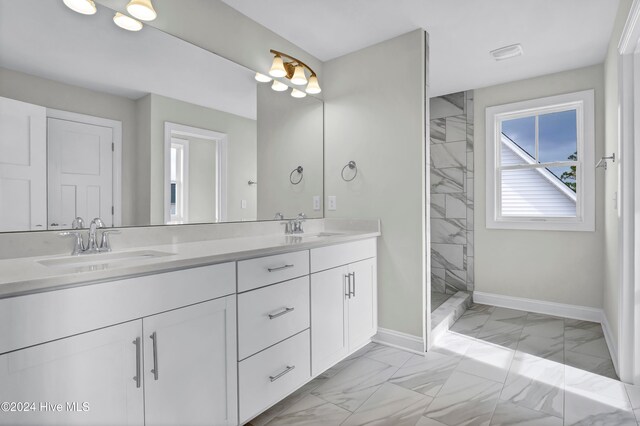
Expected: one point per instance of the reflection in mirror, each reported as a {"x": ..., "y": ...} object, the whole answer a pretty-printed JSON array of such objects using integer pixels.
[{"x": 141, "y": 128}]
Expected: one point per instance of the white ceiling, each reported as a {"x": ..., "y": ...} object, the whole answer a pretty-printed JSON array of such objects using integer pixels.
[
  {"x": 556, "y": 35},
  {"x": 48, "y": 40}
]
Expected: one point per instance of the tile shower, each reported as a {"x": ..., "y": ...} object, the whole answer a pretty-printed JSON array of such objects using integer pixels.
[{"x": 451, "y": 196}]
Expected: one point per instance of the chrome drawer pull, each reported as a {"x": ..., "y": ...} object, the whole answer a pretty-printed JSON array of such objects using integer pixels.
[
  {"x": 277, "y": 376},
  {"x": 279, "y": 268},
  {"x": 138, "y": 376},
  {"x": 279, "y": 314},
  {"x": 353, "y": 274},
  {"x": 347, "y": 285},
  {"x": 154, "y": 370}
]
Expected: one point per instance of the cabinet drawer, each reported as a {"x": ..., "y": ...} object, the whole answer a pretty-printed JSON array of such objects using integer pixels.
[
  {"x": 341, "y": 254},
  {"x": 37, "y": 318},
  {"x": 254, "y": 273},
  {"x": 269, "y": 376},
  {"x": 271, "y": 314}
]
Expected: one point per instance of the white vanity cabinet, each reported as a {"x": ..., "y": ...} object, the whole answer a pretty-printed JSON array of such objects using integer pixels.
[
  {"x": 96, "y": 373},
  {"x": 343, "y": 301},
  {"x": 190, "y": 365}
]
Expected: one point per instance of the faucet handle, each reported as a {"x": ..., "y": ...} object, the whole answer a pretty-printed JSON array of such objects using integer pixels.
[
  {"x": 105, "y": 242},
  {"x": 302, "y": 216},
  {"x": 279, "y": 216},
  {"x": 78, "y": 223},
  {"x": 78, "y": 245}
]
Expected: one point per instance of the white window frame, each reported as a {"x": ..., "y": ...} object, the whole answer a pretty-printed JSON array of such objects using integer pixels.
[
  {"x": 182, "y": 182},
  {"x": 583, "y": 103}
]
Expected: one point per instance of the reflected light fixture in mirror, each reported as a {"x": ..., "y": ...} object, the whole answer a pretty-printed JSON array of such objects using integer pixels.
[
  {"x": 126, "y": 22},
  {"x": 263, "y": 78},
  {"x": 298, "y": 93},
  {"x": 279, "y": 86},
  {"x": 85, "y": 7},
  {"x": 294, "y": 70},
  {"x": 142, "y": 9}
]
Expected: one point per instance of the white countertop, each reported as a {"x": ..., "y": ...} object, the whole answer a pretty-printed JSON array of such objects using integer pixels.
[{"x": 27, "y": 275}]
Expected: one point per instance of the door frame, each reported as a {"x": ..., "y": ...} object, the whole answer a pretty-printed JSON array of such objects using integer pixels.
[
  {"x": 222, "y": 139},
  {"x": 116, "y": 163},
  {"x": 629, "y": 199}
]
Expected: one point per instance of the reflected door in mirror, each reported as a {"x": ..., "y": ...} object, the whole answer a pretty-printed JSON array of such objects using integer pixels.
[{"x": 23, "y": 168}]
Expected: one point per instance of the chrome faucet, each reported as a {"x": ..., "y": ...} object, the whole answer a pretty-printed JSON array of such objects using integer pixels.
[
  {"x": 297, "y": 224},
  {"x": 92, "y": 244},
  {"x": 279, "y": 216}
]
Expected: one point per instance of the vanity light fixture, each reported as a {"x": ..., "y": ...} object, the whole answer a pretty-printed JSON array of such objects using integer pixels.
[
  {"x": 298, "y": 93},
  {"x": 263, "y": 78},
  {"x": 85, "y": 7},
  {"x": 127, "y": 22},
  {"x": 142, "y": 9},
  {"x": 294, "y": 70},
  {"x": 507, "y": 52},
  {"x": 279, "y": 86}
]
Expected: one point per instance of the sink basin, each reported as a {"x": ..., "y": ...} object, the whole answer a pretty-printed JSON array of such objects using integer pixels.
[
  {"x": 321, "y": 234},
  {"x": 99, "y": 261}
]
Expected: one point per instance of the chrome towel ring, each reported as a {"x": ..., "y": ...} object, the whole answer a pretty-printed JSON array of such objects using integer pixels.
[
  {"x": 352, "y": 166},
  {"x": 299, "y": 170}
]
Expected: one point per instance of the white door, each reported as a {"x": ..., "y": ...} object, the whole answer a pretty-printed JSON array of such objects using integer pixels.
[
  {"x": 328, "y": 318},
  {"x": 362, "y": 304},
  {"x": 91, "y": 375},
  {"x": 23, "y": 166},
  {"x": 191, "y": 365},
  {"x": 80, "y": 172}
]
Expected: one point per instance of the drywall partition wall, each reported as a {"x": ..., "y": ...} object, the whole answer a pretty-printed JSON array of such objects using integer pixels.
[
  {"x": 611, "y": 292},
  {"x": 563, "y": 267},
  {"x": 377, "y": 119},
  {"x": 289, "y": 135},
  {"x": 241, "y": 153},
  {"x": 65, "y": 97},
  {"x": 452, "y": 257},
  {"x": 223, "y": 30}
]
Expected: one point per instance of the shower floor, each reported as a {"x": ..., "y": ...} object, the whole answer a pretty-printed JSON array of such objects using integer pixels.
[{"x": 438, "y": 299}]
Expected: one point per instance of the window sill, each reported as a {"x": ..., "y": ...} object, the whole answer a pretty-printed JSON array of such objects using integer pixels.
[{"x": 541, "y": 225}]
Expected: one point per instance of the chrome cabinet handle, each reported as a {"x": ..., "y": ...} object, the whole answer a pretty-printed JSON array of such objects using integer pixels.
[
  {"x": 279, "y": 268},
  {"x": 138, "y": 377},
  {"x": 347, "y": 285},
  {"x": 154, "y": 370},
  {"x": 354, "y": 284},
  {"x": 279, "y": 314},
  {"x": 277, "y": 376}
]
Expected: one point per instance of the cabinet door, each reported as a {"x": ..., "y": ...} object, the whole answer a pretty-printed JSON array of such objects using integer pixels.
[
  {"x": 92, "y": 376},
  {"x": 191, "y": 365},
  {"x": 328, "y": 318},
  {"x": 362, "y": 304}
]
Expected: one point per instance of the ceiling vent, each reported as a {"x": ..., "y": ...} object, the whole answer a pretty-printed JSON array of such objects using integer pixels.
[{"x": 507, "y": 52}]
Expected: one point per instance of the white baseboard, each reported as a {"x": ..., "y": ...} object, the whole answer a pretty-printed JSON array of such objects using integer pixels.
[
  {"x": 396, "y": 339},
  {"x": 611, "y": 342},
  {"x": 539, "y": 306}
]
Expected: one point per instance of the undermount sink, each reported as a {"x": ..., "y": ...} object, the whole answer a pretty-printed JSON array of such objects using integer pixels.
[
  {"x": 320, "y": 235},
  {"x": 98, "y": 261}
]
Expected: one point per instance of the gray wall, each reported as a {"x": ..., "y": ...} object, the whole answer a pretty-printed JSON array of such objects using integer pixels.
[
  {"x": 241, "y": 154},
  {"x": 375, "y": 115},
  {"x": 289, "y": 135},
  {"x": 612, "y": 266},
  {"x": 452, "y": 257},
  {"x": 553, "y": 266},
  {"x": 51, "y": 94}
]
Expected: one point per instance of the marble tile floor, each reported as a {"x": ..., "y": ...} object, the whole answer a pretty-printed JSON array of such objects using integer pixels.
[{"x": 495, "y": 366}]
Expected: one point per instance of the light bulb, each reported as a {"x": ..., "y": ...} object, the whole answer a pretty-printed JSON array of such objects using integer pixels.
[
  {"x": 85, "y": 7},
  {"x": 313, "y": 87},
  {"x": 298, "y": 76},
  {"x": 127, "y": 22},
  {"x": 262, "y": 78},
  {"x": 277, "y": 68},
  {"x": 142, "y": 9},
  {"x": 298, "y": 93},
  {"x": 279, "y": 86}
]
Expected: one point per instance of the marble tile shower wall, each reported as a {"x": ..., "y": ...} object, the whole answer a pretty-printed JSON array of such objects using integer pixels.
[{"x": 452, "y": 193}]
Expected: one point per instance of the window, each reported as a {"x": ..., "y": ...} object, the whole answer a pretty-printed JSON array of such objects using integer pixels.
[
  {"x": 179, "y": 192},
  {"x": 540, "y": 164}
]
